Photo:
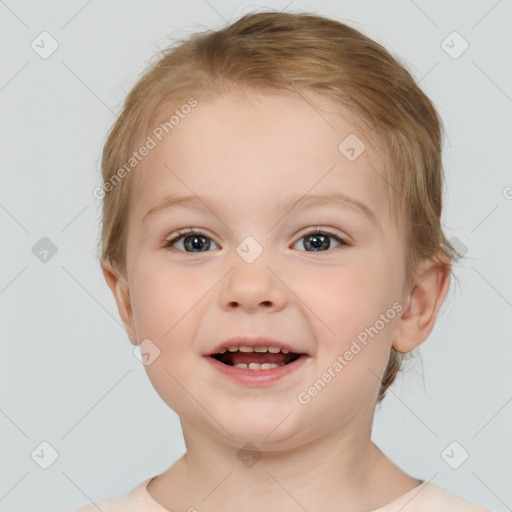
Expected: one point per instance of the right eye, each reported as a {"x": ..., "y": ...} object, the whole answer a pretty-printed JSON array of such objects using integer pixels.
[{"x": 191, "y": 241}]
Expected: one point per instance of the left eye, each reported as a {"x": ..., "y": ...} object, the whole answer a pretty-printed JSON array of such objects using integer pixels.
[
  {"x": 315, "y": 241},
  {"x": 192, "y": 242}
]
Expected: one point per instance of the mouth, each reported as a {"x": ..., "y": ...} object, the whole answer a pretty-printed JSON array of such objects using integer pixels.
[{"x": 259, "y": 358}]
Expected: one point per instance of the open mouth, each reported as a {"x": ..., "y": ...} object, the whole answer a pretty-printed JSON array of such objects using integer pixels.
[{"x": 256, "y": 360}]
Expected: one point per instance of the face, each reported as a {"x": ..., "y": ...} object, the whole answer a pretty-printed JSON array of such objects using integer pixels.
[{"x": 316, "y": 275}]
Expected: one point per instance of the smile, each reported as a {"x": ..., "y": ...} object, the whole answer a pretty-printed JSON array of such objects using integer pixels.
[
  {"x": 257, "y": 358},
  {"x": 256, "y": 369}
]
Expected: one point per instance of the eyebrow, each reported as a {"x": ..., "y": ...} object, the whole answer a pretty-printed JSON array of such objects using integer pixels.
[
  {"x": 340, "y": 199},
  {"x": 330, "y": 199},
  {"x": 173, "y": 202}
]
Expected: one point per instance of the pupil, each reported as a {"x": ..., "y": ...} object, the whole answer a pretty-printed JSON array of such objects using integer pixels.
[
  {"x": 196, "y": 243},
  {"x": 318, "y": 242}
]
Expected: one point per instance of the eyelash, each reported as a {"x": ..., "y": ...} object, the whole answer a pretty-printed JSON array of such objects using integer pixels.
[{"x": 190, "y": 231}]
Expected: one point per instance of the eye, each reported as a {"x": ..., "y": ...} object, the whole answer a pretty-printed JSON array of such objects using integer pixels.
[
  {"x": 192, "y": 241},
  {"x": 317, "y": 240}
]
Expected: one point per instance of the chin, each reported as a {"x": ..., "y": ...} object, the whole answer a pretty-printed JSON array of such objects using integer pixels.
[{"x": 267, "y": 435}]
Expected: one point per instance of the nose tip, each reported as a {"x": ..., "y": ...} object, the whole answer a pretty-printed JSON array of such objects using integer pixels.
[{"x": 252, "y": 286}]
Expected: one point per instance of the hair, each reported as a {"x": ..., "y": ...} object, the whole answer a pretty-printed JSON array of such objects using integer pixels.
[{"x": 296, "y": 53}]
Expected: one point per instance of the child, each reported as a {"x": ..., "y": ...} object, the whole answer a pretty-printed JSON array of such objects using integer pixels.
[{"x": 271, "y": 234}]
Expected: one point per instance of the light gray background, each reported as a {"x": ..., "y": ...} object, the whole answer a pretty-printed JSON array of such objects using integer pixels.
[{"x": 68, "y": 373}]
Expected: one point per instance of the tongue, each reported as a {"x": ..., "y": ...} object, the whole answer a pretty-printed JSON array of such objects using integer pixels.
[{"x": 256, "y": 357}]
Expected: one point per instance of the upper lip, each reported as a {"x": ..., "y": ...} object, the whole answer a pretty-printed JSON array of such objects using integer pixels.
[{"x": 248, "y": 341}]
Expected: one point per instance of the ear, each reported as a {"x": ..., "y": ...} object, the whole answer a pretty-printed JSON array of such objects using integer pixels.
[
  {"x": 121, "y": 291},
  {"x": 422, "y": 305}
]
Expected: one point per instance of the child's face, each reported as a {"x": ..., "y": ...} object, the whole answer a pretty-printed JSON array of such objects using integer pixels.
[{"x": 246, "y": 160}]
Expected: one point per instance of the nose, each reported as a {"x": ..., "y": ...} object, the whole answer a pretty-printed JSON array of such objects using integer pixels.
[{"x": 252, "y": 287}]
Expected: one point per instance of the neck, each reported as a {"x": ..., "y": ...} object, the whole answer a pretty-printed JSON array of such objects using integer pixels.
[{"x": 343, "y": 472}]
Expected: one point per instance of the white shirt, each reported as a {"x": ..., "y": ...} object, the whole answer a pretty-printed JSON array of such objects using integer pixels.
[{"x": 427, "y": 497}]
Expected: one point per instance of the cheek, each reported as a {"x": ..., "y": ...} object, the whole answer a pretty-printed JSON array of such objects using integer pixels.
[
  {"x": 347, "y": 302},
  {"x": 167, "y": 310},
  {"x": 346, "y": 292},
  {"x": 161, "y": 296},
  {"x": 353, "y": 341}
]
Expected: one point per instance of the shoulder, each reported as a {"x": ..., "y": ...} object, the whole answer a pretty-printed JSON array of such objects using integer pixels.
[
  {"x": 109, "y": 505},
  {"x": 444, "y": 500},
  {"x": 428, "y": 497},
  {"x": 137, "y": 499}
]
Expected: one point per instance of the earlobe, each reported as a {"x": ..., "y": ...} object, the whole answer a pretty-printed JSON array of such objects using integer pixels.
[
  {"x": 120, "y": 289},
  {"x": 422, "y": 306}
]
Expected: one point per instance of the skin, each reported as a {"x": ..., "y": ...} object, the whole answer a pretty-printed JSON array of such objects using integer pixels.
[{"x": 246, "y": 155}]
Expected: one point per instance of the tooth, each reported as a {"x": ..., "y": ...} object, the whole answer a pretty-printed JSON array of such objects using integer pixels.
[
  {"x": 222, "y": 351},
  {"x": 232, "y": 349},
  {"x": 274, "y": 350},
  {"x": 267, "y": 366},
  {"x": 260, "y": 349},
  {"x": 241, "y": 365},
  {"x": 254, "y": 366},
  {"x": 245, "y": 349},
  {"x": 284, "y": 351}
]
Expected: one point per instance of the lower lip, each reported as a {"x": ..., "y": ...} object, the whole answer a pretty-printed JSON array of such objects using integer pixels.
[{"x": 255, "y": 377}]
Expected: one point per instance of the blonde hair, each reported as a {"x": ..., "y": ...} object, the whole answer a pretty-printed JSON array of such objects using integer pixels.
[{"x": 287, "y": 53}]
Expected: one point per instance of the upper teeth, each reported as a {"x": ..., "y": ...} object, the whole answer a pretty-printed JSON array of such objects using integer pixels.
[{"x": 272, "y": 350}]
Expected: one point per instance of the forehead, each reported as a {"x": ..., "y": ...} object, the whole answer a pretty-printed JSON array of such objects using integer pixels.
[{"x": 256, "y": 149}]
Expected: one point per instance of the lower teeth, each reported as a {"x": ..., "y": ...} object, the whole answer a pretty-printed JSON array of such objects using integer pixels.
[{"x": 257, "y": 366}]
